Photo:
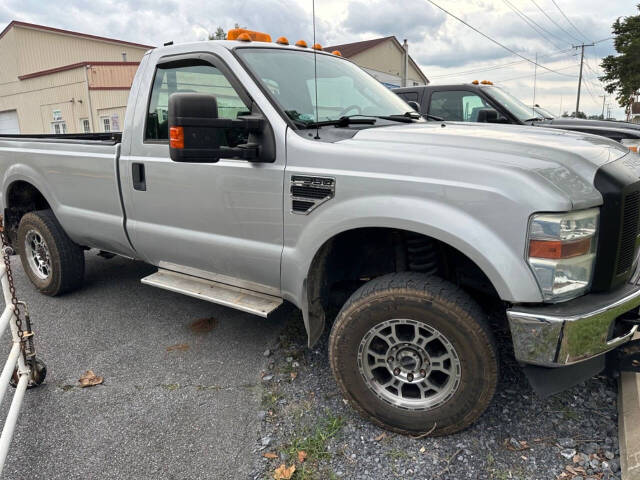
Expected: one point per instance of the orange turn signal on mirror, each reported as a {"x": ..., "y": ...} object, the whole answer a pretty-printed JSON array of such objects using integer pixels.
[
  {"x": 176, "y": 137},
  {"x": 555, "y": 249},
  {"x": 634, "y": 149}
]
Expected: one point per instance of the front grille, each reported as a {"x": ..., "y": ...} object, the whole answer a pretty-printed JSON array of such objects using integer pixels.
[
  {"x": 619, "y": 224},
  {"x": 630, "y": 221}
]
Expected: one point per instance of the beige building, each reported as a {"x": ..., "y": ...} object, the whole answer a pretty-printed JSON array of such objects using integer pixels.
[
  {"x": 58, "y": 81},
  {"x": 386, "y": 59}
]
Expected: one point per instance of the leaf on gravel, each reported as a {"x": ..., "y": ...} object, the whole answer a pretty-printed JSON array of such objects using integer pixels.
[
  {"x": 283, "y": 472},
  {"x": 382, "y": 436},
  {"x": 203, "y": 325},
  {"x": 179, "y": 346},
  {"x": 422, "y": 450},
  {"x": 89, "y": 379},
  {"x": 270, "y": 455},
  {"x": 515, "y": 445},
  {"x": 294, "y": 375},
  {"x": 576, "y": 459},
  {"x": 302, "y": 456},
  {"x": 571, "y": 470}
]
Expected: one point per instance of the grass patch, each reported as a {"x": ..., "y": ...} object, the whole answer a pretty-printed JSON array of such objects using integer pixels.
[
  {"x": 315, "y": 444},
  {"x": 397, "y": 454}
]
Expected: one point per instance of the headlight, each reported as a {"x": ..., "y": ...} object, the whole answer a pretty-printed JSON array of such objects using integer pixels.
[
  {"x": 562, "y": 251},
  {"x": 632, "y": 144}
]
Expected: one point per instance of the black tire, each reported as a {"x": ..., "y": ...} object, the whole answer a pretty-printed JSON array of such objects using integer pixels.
[
  {"x": 66, "y": 259},
  {"x": 442, "y": 307}
]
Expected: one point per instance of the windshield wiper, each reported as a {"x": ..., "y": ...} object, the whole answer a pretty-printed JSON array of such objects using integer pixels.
[
  {"x": 347, "y": 120},
  {"x": 433, "y": 117},
  {"x": 534, "y": 119}
]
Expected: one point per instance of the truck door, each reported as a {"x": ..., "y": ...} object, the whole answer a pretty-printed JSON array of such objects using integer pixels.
[{"x": 219, "y": 220}]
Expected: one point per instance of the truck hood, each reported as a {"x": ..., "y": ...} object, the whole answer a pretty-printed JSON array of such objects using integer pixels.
[
  {"x": 598, "y": 123},
  {"x": 568, "y": 160},
  {"x": 609, "y": 128}
]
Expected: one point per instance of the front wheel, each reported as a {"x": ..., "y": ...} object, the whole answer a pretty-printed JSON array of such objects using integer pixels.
[
  {"x": 414, "y": 354},
  {"x": 51, "y": 260}
]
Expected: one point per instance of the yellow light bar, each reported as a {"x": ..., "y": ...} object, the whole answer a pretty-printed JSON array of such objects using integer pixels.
[{"x": 236, "y": 33}]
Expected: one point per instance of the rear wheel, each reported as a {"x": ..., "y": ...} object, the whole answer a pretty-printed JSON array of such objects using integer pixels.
[
  {"x": 51, "y": 260},
  {"x": 414, "y": 354}
]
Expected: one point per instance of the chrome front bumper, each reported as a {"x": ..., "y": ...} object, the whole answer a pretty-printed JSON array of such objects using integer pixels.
[{"x": 568, "y": 333}]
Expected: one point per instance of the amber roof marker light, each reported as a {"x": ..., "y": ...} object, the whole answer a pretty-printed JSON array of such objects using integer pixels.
[
  {"x": 282, "y": 41},
  {"x": 245, "y": 35},
  {"x": 337, "y": 53},
  {"x": 301, "y": 44}
]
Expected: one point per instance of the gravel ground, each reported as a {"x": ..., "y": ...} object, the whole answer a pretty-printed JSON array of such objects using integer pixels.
[{"x": 572, "y": 435}]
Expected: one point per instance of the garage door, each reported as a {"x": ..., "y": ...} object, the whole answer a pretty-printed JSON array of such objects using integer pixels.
[{"x": 9, "y": 122}]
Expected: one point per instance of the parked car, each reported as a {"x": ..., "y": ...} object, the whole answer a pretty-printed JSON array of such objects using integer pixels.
[
  {"x": 488, "y": 103},
  {"x": 247, "y": 190}
]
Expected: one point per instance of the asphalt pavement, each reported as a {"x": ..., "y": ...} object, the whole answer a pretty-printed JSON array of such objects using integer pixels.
[{"x": 187, "y": 411}]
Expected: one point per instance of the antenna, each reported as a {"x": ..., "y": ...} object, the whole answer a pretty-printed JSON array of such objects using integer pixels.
[{"x": 315, "y": 67}]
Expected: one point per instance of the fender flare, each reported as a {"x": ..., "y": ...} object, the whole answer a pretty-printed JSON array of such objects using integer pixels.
[{"x": 503, "y": 265}]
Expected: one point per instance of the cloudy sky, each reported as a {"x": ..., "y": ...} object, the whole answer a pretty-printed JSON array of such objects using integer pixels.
[{"x": 447, "y": 50}]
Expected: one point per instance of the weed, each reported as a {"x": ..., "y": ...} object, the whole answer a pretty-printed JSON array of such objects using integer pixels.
[{"x": 316, "y": 444}]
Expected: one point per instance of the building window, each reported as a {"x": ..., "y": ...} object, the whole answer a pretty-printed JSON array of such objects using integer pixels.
[
  {"x": 57, "y": 115},
  {"x": 86, "y": 127},
  {"x": 106, "y": 124},
  {"x": 58, "y": 128},
  {"x": 115, "y": 123}
]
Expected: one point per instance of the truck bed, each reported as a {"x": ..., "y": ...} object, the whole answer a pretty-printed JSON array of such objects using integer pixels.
[{"x": 78, "y": 176}]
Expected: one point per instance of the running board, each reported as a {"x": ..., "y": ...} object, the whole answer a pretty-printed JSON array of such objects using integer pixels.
[{"x": 215, "y": 292}]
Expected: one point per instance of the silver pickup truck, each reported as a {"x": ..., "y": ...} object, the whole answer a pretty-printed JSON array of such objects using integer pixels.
[{"x": 249, "y": 180}]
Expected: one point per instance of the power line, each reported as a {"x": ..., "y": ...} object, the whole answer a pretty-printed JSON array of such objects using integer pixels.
[
  {"x": 569, "y": 21},
  {"x": 497, "y": 66},
  {"x": 492, "y": 40},
  {"x": 533, "y": 24},
  {"x": 539, "y": 75},
  {"x": 554, "y": 22}
]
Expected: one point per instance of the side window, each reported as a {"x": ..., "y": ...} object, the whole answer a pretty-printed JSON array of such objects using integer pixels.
[
  {"x": 458, "y": 106},
  {"x": 409, "y": 96},
  {"x": 471, "y": 105},
  {"x": 197, "y": 77}
]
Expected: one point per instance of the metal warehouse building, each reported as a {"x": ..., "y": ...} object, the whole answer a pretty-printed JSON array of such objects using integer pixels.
[{"x": 58, "y": 81}]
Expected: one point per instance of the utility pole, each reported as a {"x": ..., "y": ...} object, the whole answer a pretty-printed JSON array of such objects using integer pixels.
[
  {"x": 535, "y": 71},
  {"x": 405, "y": 66},
  {"x": 581, "y": 47},
  {"x": 604, "y": 99},
  {"x": 560, "y": 114}
]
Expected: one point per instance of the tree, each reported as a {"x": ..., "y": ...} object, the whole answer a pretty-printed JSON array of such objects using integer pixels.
[
  {"x": 622, "y": 71},
  {"x": 219, "y": 35},
  {"x": 565, "y": 114},
  {"x": 596, "y": 117}
]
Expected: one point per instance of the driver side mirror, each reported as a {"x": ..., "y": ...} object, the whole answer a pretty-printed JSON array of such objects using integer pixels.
[
  {"x": 413, "y": 104},
  {"x": 196, "y": 134},
  {"x": 487, "y": 115}
]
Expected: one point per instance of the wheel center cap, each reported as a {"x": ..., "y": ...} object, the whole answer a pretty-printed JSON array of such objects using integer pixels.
[{"x": 409, "y": 360}]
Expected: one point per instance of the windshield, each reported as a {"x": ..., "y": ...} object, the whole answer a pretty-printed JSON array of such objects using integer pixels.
[
  {"x": 512, "y": 104},
  {"x": 544, "y": 113},
  {"x": 343, "y": 88}
]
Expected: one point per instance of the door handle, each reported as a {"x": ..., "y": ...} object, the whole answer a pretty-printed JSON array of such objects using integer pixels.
[{"x": 139, "y": 180}]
